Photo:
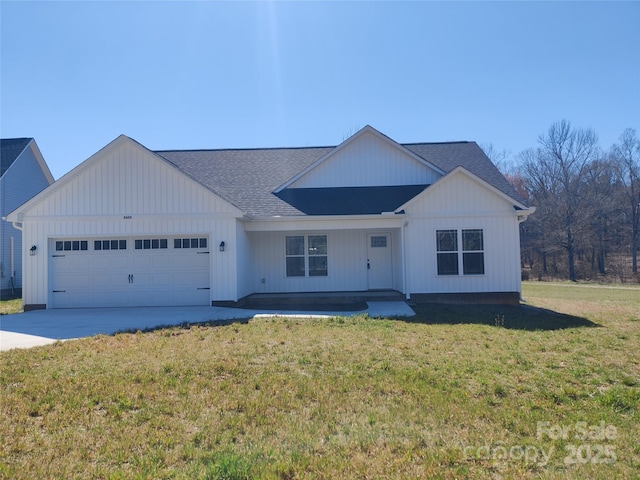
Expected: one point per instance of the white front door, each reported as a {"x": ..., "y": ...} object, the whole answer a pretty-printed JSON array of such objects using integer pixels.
[{"x": 379, "y": 261}]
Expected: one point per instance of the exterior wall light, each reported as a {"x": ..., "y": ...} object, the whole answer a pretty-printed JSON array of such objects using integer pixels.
[
  {"x": 221, "y": 246},
  {"x": 32, "y": 250}
]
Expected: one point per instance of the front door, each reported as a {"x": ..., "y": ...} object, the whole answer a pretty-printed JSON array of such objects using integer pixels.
[{"x": 379, "y": 261}]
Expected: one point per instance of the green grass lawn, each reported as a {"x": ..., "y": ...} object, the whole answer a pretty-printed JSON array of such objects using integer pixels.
[{"x": 548, "y": 390}]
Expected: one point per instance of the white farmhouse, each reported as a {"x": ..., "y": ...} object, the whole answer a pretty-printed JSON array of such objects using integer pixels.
[{"x": 131, "y": 226}]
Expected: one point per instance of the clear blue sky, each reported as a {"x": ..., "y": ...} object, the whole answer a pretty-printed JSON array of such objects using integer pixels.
[{"x": 188, "y": 75}]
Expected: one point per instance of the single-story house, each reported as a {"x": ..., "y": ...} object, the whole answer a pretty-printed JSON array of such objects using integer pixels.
[
  {"x": 23, "y": 174},
  {"x": 131, "y": 226}
]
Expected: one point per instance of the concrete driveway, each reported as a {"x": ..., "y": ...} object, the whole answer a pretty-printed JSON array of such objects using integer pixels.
[{"x": 41, "y": 327}]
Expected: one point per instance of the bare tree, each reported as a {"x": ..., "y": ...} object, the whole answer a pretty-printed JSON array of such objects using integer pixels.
[
  {"x": 556, "y": 174},
  {"x": 602, "y": 211},
  {"x": 627, "y": 157}
]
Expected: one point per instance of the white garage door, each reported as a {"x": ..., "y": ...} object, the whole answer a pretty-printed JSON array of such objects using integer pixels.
[{"x": 129, "y": 271}]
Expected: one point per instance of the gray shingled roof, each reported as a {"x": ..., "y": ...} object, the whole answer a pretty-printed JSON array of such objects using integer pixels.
[
  {"x": 10, "y": 149},
  {"x": 247, "y": 178}
]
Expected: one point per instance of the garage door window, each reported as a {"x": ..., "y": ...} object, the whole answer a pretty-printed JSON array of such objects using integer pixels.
[
  {"x": 189, "y": 243},
  {"x": 110, "y": 245},
  {"x": 71, "y": 245},
  {"x": 151, "y": 243}
]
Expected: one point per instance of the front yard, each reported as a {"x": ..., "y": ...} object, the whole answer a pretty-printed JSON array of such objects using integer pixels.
[{"x": 457, "y": 392}]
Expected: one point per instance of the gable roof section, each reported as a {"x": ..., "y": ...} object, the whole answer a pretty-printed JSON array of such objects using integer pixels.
[
  {"x": 254, "y": 180},
  {"x": 16, "y": 215},
  {"x": 10, "y": 150},
  {"x": 354, "y": 138},
  {"x": 463, "y": 171},
  {"x": 469, "y": 155}
]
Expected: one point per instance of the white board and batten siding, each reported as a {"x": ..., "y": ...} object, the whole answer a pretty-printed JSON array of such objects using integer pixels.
[
  {"x": 366, "y": 163},
  {"x": 468, "y": 205},
  {"x": 126, "y": 192},
  {"x": 347, "y": 258},
  {"x": 23, "y": 179}
]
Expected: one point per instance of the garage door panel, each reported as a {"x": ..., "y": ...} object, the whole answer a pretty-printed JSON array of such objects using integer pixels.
[
  {"x": 140, "y": 261},
  {"x": 129, "y": 276}
]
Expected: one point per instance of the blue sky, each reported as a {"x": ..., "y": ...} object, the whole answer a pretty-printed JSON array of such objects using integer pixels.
[{"x": 203, "y": 74}]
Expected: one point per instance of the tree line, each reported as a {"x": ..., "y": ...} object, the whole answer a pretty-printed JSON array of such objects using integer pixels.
[{"x": 587, "y": 219}]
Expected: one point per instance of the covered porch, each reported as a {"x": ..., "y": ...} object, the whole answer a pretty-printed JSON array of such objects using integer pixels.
[{"x": 339, "y": 258}]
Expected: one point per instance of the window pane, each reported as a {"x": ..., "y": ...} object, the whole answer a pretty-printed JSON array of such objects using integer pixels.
[
  {"x": 163, "y": 243},
  {"x": 447, "y": 240},
  {"x": 76, "y": 245},
  {"x": 67, "y": 245},
  {"x": 138, "y": 244},
  {"x": 97, "y": 245},
  {"x": 123, "y": 244},
  {"x": 317, "y": 244},
  {"x": 177, "y": 243},
  {"x": 472, "y": 240},
  {"x": 203, "y": 243},
  {"x": 59, "y": 246},
  {"x": 106, "y": 244},
  {"x": 146, "y": 244},
  {"x": 186, "y": 243},
  {"x": 473, "y": 263},
  {"x": 194, "y": 243},
  {"x": 114, "y": 244},
  {"x": 295, "y": 245},
  {"x": 155, "y": 243},
  {"x": 447, "y": 264},
  {"x": 84, "y": 245},
  {"x": 379, "y": 242},
  {"x": 318, "y": 266},
  {"x": 295, "y": 266}
]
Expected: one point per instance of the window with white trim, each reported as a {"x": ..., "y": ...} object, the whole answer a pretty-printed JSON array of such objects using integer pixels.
[
  {"x": 450, "y": 256},
  {"x": 306, "y": 256}
]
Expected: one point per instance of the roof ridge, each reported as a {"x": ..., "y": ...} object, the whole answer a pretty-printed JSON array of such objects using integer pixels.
[
  {"x": 453, "y": 142},
  {"x": 314, "y": 147},
  {"x": 242, "y": 149}
]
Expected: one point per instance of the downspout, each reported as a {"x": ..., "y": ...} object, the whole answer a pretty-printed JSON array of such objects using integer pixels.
[
  {"x": 13, "y": 270},
  {"x": 404, "y": 259}
]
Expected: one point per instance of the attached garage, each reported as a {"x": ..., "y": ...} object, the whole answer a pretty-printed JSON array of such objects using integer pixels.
[{"x": 129, "y": 271}]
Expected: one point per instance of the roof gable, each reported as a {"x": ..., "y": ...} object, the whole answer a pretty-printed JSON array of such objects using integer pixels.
[
  {"x": 366, "y": 159},
  {"x": 453, "y": 198},
  {"x": 123, "y": 178},
  {"x": 450, "y": 155},
  {"x": 10, "y": 150}
]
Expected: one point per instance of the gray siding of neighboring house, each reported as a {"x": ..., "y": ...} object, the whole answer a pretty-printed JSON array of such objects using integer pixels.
[{"x": 22, "y": 180}]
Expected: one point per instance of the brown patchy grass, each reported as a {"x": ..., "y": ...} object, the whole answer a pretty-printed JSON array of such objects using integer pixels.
[
  {"x": 8, "y": 307},
  {"x": 440, "y": 396}
]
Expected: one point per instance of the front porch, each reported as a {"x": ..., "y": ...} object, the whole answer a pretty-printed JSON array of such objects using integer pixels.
[{"x": 315, "y": 301}]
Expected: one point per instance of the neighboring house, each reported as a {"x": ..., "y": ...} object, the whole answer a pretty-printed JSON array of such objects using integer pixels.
[
  {"x": 23, "y": 174},
  {"x": 130, "y": 226}
]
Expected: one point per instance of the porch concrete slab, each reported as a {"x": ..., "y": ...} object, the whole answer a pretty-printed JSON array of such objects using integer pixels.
[{"x": 41, "y": 327}]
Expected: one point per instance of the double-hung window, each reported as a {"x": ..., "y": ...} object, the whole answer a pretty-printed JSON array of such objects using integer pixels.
[
  {"x": 306, "y": 256},
  {"x": 450, "y": 256}
]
